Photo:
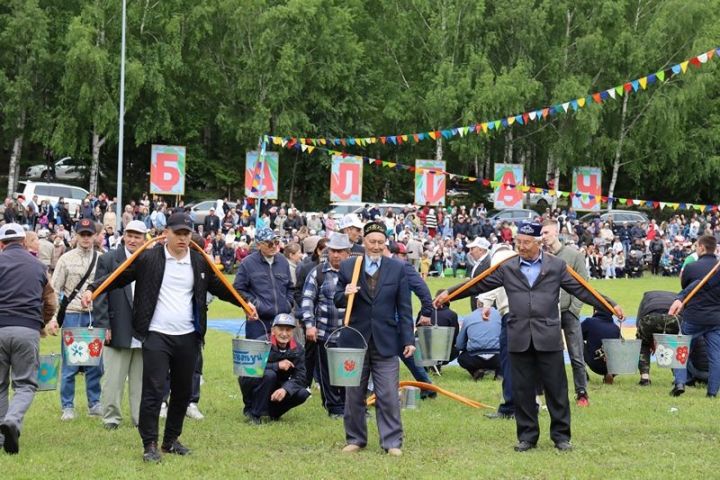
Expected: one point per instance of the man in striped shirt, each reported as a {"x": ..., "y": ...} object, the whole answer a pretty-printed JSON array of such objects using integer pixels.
[{"x": 322, "y": 317}]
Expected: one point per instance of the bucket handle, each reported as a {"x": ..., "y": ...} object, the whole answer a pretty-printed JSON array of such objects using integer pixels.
[
  {"x": 350, "y": 328},
  {"x": 244, "y": 322},
  {"x": 677, "y": 320}
]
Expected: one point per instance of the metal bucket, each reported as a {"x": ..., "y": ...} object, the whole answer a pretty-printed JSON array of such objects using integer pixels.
[
  {"x": 621, "y": 355},
  {"x": 83, "y": 346},
  {"x": 435, "y": 342},
  {"x": 48, "y": 371},
  {"x": 417, "y": 356},
  {"x": 250, "y": 356},
  {"x": 410, "y": 398},
  {"x": 672, "y": 351},
  {"x": 345, "y": 365}
]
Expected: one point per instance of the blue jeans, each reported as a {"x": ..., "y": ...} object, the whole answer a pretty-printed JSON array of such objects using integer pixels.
[
  {"x": 712, "y": 341},
  {"x": 418, "y": 373},
  {"x": 92, "y": 374},
  {"x": 507, "y": 407}
]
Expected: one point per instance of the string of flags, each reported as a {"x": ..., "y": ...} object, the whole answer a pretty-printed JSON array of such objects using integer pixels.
[
  {"x": 486, "y": 182},
  {"x": 524, "y": 118}
]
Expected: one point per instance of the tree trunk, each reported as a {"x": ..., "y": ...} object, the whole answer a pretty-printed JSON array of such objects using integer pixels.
[
  {"x": 97, "y": 144},
  {"x": 439, "y": 149},
  {"x": 292, "y": 179},
  {"x": 618, "y": 152},
  {"x": 14, "y": 172},
  {"x": 509, "y": 147}
]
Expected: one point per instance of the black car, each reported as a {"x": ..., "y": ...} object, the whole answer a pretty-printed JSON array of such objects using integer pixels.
[
  {"x": 515, "y": 215},
  {"x": 619, "y": 217}
]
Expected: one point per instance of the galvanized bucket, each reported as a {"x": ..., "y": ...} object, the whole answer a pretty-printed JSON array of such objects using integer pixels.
[
  {"x": 250, "y": 356},
  {"x": 417, "y": 356},
  {"x": 345, "y": 365},
  {"x": 83, "y": 346},
  {"x": 48, "y": 371},
  {"x": 410, "y": 398},
  {"x": 435, "y": 342},
  {"x": 621, "y": 355}
]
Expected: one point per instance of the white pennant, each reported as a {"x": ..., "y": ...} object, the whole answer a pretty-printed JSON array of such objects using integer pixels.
[
  {"x": 565, "y": 106},
  {"x": 532, "y": 115},
  {"x": 611, "y": 92}
]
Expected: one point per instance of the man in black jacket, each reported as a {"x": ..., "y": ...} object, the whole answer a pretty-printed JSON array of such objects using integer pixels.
[
  {"x": 282, "y": 386},
  {"x": 170, "y": 318},
  {"x": 211, "y": 223},
  {"x": 122, "y": 357}
]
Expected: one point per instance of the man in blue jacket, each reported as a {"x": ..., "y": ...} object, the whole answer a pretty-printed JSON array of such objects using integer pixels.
[
  {"x": 479, "y": 344},
  {"x": 263, "y": 279},
  {"x": 382, "y": 313},
  {"x": 702, "y": 313}
]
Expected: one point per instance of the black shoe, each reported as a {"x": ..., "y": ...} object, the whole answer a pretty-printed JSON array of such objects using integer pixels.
[
  {"x": 111, "y": 426},
  {"x": 11, "y": 435},
  {"x": 253, "y": 420},
  {"x": 711, "y": 395},
  {"x": 500, "y": 415},
  {"x": 427, "y": 394},
  {"x": 175, "y": 447},
  {"x": 151, "y": 453},
  {"x": 644, "y": 382},
  {"x": 677, "y": 390},
  {"x": 478, "y": 375},
  {"x": 564, "y": 446},
  {"x": 524, "y": 446}
]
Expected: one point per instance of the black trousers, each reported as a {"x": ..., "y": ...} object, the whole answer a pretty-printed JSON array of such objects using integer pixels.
[
  {"x": 473, "y": 363},
  {"x": 311, "y": 354},
  {"x": 547, "y": 368},
  {"x": 256, "y": 396},
  {"x": 178, "y": 354},
  {"x": 333, "y": 398}
]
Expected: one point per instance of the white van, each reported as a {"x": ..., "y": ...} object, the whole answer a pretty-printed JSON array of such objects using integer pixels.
[{"x": 52, "y": 192}]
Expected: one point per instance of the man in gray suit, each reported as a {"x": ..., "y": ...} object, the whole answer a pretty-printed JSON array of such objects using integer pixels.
[
  {"x": 532, "y": 282},
  {"x": 123, "y": 354}
]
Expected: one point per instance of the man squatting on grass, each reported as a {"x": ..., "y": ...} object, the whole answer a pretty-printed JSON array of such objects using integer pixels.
[
  {"x": 170, "y": 318},
  {"x": 532, "y": 282}
]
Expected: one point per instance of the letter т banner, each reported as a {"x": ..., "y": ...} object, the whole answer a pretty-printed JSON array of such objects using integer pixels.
[
  {"x": 346, "y": 179},
  {"x": 586, "y": 181},
  {"x": 429, "y": 182},
  {"x": 167, "y": 170},
  {"x": 507, "y": 174},
  {"x": 261, "y": 175}
]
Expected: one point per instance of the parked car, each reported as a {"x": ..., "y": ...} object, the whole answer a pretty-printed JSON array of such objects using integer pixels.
[
  {"x": 52, "y": 192},
  {"x": 66, "y": 168},
  {"x": 340, "y": 209},
  {"x": 515, "y": 215},
  {"x": 619, "y": 217},
  {"x": 200, "y": 210}
]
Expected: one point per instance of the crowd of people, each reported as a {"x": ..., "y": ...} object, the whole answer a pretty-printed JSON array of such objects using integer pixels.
[{"x": 295, "y": 271}]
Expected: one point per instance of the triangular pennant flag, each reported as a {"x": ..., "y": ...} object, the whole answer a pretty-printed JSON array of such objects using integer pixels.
[
  {"x": 710, "y": 54},
  {"x": 310, "y": 148},
  {"x": 524, "y": 188},
  {"x": 677, "y": 69},
  {"x": 382, "y": 140},
  {"x": 627, "y": 87},
  {"x": 661, "y": 75},
  {"x": 486, "y": 182},
  {"x": 405, "y": 138},
  {"x": 596, "y": 98},
  {"x": 545, "y": 112},
  {"x": 503, "y": 122},
  {"x": 416, "y": 137},
  {"x": 485, "y": 126},
  {"x": 461, "y": 131},
  {"x": 519, "y": 119},
  {"x": 651, "y": 79},
  {"x": 422, "y": 136},
  {"x": 491, "y": 125},
  {"x": 574, "y": 105},
  {"x": 581, "y": 102},
  {"x": 471, "y": 179},
  {"x": 696, "y": 61},
  {"x": 432, "y": 135},
  {"x": 510, "y": 120},
  {"x": 635, "y": 85},
  {"x": 611, "y": 93},
  {"x": 565, "y": 106},
  {"x": 446, "y": 133},
  {"x": 283, "y": 142},
  {"x": 643, "y": 82},
  {"x": 303, "y": 147},
  {"x": 684, "y": 66},
  {"x": 532, "y": 115},
  {"x": 525, "y": 117},
  {"x": 604, "y": 95},
  {"x": 323, "y": 141},
  {"x": 620, "y": 89},
  {"x": 663, "y": 205},
  {"x": 399, "y": 139}
]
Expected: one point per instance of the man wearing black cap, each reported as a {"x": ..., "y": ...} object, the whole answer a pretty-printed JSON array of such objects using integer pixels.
[
  {"x": 532, "y": 282},
  {"x": 170, "y": 319},
  {"x": 69, "y": 280},
  {"x": 282, "y": 385},
  {"x": 382, "y": 313}
]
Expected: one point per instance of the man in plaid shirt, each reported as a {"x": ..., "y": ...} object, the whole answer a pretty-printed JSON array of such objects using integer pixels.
[{"x": 322, "y": 317}]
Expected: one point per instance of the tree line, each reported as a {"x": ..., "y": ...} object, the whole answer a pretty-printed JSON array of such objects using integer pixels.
[{"x": 216, "y": 75}]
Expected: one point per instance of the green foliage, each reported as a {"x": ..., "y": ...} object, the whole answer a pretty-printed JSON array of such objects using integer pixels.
[{"x": 216, "y": 75}]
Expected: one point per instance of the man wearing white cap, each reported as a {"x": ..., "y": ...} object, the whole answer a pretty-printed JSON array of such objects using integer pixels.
[
  {"x": 123, "y": 355},
  {"x": 28, "y": 304},
  {"x": 352, "y": 227},
  {"x": 478, "y": 251}
]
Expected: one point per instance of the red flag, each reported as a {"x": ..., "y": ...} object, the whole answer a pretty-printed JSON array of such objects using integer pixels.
[{"x": 627, "y": 87}]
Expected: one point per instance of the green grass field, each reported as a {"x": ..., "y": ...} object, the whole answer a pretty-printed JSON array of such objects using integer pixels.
[{"x": 627, "y": 432}]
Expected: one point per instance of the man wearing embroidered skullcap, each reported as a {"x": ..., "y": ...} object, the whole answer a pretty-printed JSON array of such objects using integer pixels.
[
  {"x": 532, "y": 282},
  {"x": 382, "y": 314}
]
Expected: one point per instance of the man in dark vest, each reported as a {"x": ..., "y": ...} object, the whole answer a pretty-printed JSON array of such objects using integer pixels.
[{"x": 478, "y": 249}]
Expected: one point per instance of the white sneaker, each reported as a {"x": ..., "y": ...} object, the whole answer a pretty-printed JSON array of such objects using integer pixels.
[
  {"x": 95, "y": 410},
  {"x": 163, "y": 410},
  {"x": 193, "y": 412},
  {"x": 68, "y": 414}
]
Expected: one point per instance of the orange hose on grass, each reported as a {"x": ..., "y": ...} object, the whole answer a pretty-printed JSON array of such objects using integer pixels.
[
  {"x": 435, "y": 388},
  {"x": 123, "y": 266},
  {"x": 477, "y": 279}
]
